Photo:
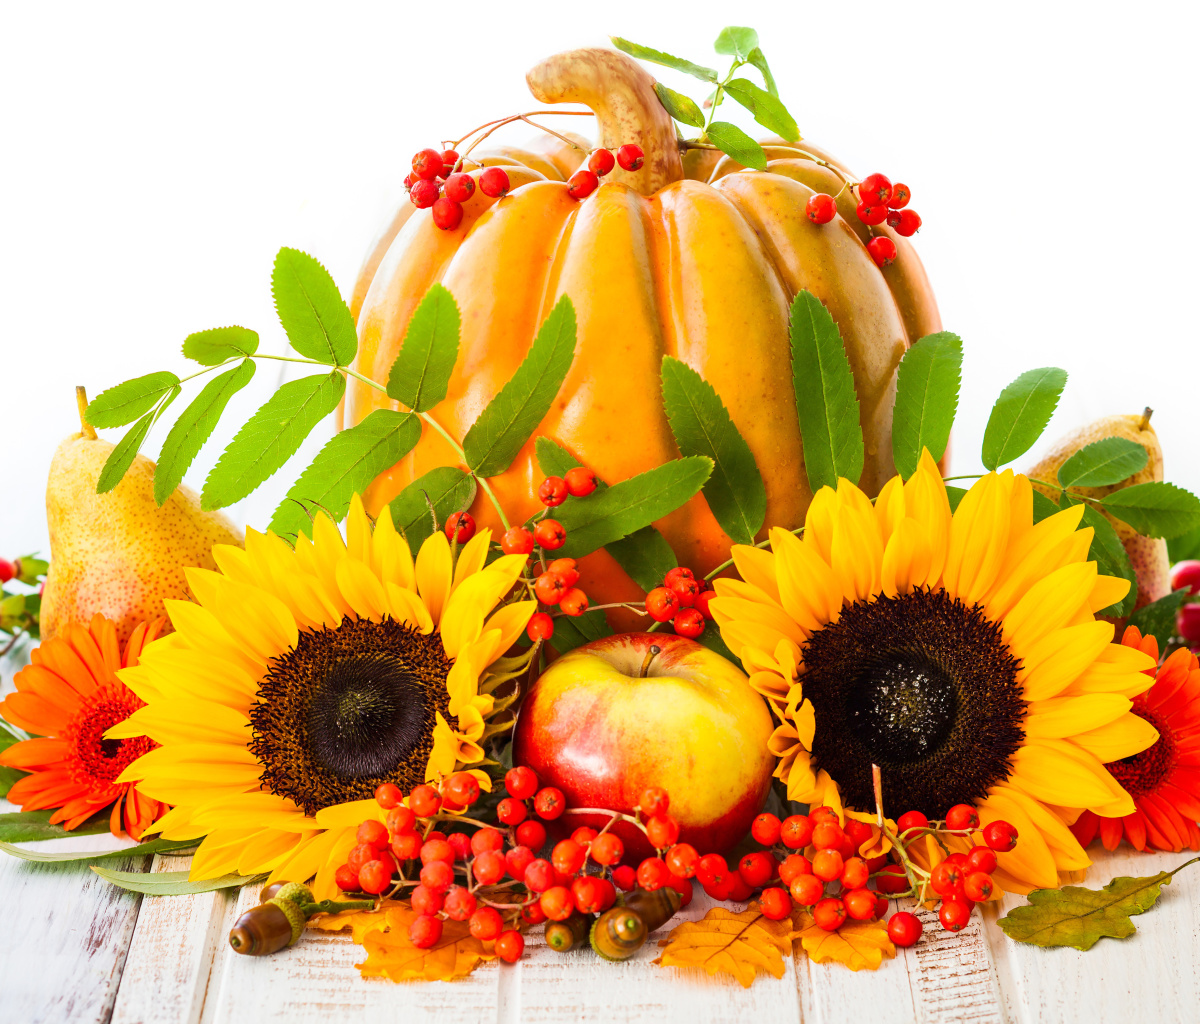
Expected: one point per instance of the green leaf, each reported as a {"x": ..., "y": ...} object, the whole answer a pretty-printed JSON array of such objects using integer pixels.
[
  {"x": 437, "y": 494},
  {"x": 702, "y": 426},
  {"x": 955, "y": 496},
  {"x": 346, "y": 465},
  {"x": 172, "y": 883},
  {"x": 126, "y": 450},
  {"x": 1104, "y": 462},
  {"x": 153, "y": 846},
  {"x": 1157, "y": 619},
  {"x": 34, "y": 826},
  {"x": 1107, "y": 552},
  {"x": 575, "y": 631},
  {"x": 617, "y": 511},
  {"x": 214, "y": 346},
  {"x": 8, "y": 776},
  {"x": 1184, "y": 547},
  {"x": 730, "y": 139},
  {"x": 768, "y": 110},
  {"x": 195, "y": 426},
  {"x": 1155, "y": 509},
  {"x": 1043, "y": 507},
  {"x": 1079, "y": 917},
  {"x": 511, "y": 416},
  {"x": 682, "y": 108},
  {"x": 271, "y": 437},
  {"x": 756, "y": 58},
  {"x": 664, "y": 59},
  {"x": 644, "y": 555},
  {"x": 825, "y": 400},
  {"x": 310, "y": 307},
  {"x": 736, "y": 42},
  {"x": 420, "y": 375},
  {"x": 926, "y": 399},
  {"x": 126, "y": 402},
  {"x": 1021, "y": 414},
  {"x": 712, "y": 639}
]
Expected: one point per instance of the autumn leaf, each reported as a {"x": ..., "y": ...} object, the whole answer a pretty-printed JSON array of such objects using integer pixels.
[
  {"x": 738, "y": 944},
  {"x": 857, "y": 944},
  {"x": 360, "y": 922},
  {"x": 1079, "y": 917}
]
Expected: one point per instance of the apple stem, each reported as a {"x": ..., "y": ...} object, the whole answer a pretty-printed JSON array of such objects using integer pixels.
[
  {"x": 1146, "y": 414},
  {"x": 651, "y": 654},
  {"x": 81, "y": 400}
]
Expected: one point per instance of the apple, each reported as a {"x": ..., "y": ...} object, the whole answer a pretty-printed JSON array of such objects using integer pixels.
[{"x": 615, "y": 716}]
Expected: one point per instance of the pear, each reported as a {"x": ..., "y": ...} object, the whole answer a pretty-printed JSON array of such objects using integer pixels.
[
  {"x": 118, "y": 553},
  {"x": 1148, "y": 555}
]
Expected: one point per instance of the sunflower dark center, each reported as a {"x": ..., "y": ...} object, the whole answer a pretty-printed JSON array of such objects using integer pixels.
[
  {"x": 922, "y": 686},
  {"x": 1145, "y": 772},
  {"x": 347, "y": 709}
]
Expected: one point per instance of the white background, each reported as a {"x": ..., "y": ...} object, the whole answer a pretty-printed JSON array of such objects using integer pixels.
[{"x": 153, "y": 158}]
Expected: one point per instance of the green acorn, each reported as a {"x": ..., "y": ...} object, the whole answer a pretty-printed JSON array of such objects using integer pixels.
[{"x": 572, "y": 933}]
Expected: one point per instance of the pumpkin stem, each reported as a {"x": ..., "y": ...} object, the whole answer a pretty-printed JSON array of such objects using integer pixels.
[{"x": 621, "y": 94}]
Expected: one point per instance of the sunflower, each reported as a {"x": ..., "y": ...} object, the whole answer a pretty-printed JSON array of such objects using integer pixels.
[
  {"x": 69, "y": 696},
  {"x": 304, "y": 677},
  {"x": 1164, "y": 779},
  {"x": 960, "y": 652}
]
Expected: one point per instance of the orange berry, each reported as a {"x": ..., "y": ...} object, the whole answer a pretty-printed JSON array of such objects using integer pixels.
[
  {"x": 662, "y": 831},
  {"x": 682, "y": 860},
  {"x": 775, "y": 903},
  {"x": 829, "y": 914},
  {"x": 654, "y": 801},
  {"x": 827, "y": 865},
  {"x": 607, "y": 849}
]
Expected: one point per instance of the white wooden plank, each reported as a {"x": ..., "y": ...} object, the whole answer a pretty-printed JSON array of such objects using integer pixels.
[
  {"x": 1153, "y": 975},
  {"x": 171, "y": 956},
  {"x": 953, "y": 978}
]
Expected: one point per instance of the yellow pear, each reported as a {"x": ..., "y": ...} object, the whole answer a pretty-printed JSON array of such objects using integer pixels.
[
  {"x": 118, "y": 553},
  {"x": 1148, "y": 555}
]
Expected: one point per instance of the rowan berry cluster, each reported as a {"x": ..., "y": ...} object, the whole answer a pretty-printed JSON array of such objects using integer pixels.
[
  {"x": 878, "y": 201},
  {"x": 683, "y": 601},
  {"x": 586, "y": 180},
  {"x": 438, "y": 184}
]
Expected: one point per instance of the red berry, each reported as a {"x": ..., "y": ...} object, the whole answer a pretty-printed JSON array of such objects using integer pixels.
[
  {"x": 766, "y": 829},
  {"x": 905, "y": 222},
  {"x": 827, "y": 865},
  {"x": 829, "y": 914},
  {"x": 858, "y": 832},
  {"x": 460, "y": 526},
  {"x": 689, "y": 623},
  {"x": 881, "y": 906},
  {"x": 684, "y": 887},
  {"x": 406, "y": 846},
  {"x": 630, "y": 157},
  {"x": 531, "y": 834},
  {"x": 425, "y": 801},
  {"x": 373, "y": 832},
  {"x": 510, "y": 946},
  {"x": 423, "y": 194},
  {"x": 1185, "y": 575},
  {"x": 568, "y": 857},
  {"x": 806, "y": 889},
  {"x": 820, "y": 208},
  {"x": 557, "y": 902},
  {"x": 607, "y": 849},
  {"x": 961, "y": 817},
  {"x": 459, "y": 187},
  {"x": 981, "y": 858},
  {"x": 582, "y": 184},
  {"x": 601, "y": 162},
  {"x": 855, "y": 873},
  {"x": 775, "y": 903},
  {"x": 494, "y": 182},
  {"x": 410, "y": 179},
  {"x": 828, "y": 835},
  {"x": 794, "y": 865},
  {"x": 900, "y": 196},
  {"x": 701, "y": 605},
  {"x": 662, "y": 604},
  {"x": 680, "y": 572},
  {"x": 882, "y": 250},
  {"x": 346, "y": 879},
  {"x": 574, "y": 602},
  {"x": 819, "y": 814},
  {"x": 711, "y": 869},
  {"x": 654, "y": 800},
  {"x": 1187, "y": 623},
  {"x": 449, "y": 156},
  {"x": 757, "y": 868},
  {"x": 437, "y": 875},
  {"x": 540, "y": 627},
  {"x": 652, "y": 873},
  {"x": 954, "y": 914},
  {"x": 1000, "y": 836},
  {"x": 462, "y": 789},
  {"x": 487, "y": 839},
  {"x": 531, "y": 913},
  {"x": 875, "y": 189},
  {"x": 550, "y": 534},
  {"x": 427, "y": 163},
  {"x": 540, "y": 876},
  {"x": 860, "y": 904},
  {"x": 947, "y": 879},
  {"x": 360, "y": 854},
  {"x": 624, "y": 877},
  {"x": 682, "y": 860},
  {"x": 796, "y": 831},
  {"x": 565, "y": 569},
  {"x": 517, "y": 860},
  {"x": 488, "y": 867},
  {"x": 549, "y": 803},
  {"x": 871, "y": 214},
  {"x": 459, "y": 903},
  {"x": 581, "y": 481},
  {"x": 891, "y": 879},
  {"x": 461, "y": 843},
  {"x": 911, "y": 820},
  {"x": 521, "y": 782},
  {"x": 425, "y": 931},
  {"x": 686, "y": 589},
  {"x": 510, "y": 811},
  {"x": 904, "y": 929},
  {"x": 437, "y": 849},
  {"x": 553, "y": 491},
  {"x": 486, "y": 923},
  {"x": 517, "y": 541},
  {"x": 588, "y": 894},
  {"x": 549, "y": 588},
  {"x": 447, "y": 215},
  {"x": 388, "y": 796},
  {"x": 662, "y": 831},
  {"x": 977, "y": 886}
]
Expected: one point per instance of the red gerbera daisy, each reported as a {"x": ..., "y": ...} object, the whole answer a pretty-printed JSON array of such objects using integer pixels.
[
  {"x": 1164, "y": 780},
  {"x": 70, "y": 697}
]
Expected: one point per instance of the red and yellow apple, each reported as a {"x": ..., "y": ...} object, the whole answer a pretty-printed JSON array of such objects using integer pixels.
[{"x": 611, "y": 718}]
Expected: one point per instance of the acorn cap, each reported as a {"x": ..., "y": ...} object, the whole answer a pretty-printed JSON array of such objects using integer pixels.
[{"x": 294, "y": 915}]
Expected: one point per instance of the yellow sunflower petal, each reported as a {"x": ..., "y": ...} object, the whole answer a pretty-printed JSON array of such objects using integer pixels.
[
  {"x": 472, "y": 557},
  {"x": 434, "y": 573},
  {"x": 926, "y": 501},
  {"x": 205, "y": 634},
  {"x": 358, "y": 531},
  {"x": 979, "y": 538},
  {"x": 889, "y": 508},
  {"x": 757, "y": 567},
  {"x": 344, "y": 840},
  {"x": 1057, "y": 773},
  {"x": 352, "y": 813},
  {"x": 1063, "y": 846},
  {"x": 856, "y": 550},
  {"x": 390, "y": 555},
  {"x": 462, "y": 619},
  {"x": 1060, "y": 717},
  {"x": 362, "y": 590},
  {"x": 1107, "y": 590},
  {"x": 1117, "y": 669},
  {"x": 1127, "y": 736},
  {"x": 510, "y": 622},
  {"x": 218, "y": 854},
  {"x": 258, "y": 621},
  {"x": 907, "y": 559},
  {"x": 1057, "y": 660},
  {"x": 408, "y": 608},
  {"x": 184, "y": 720},
  {"x": 808, "y": 589},
  {"x": 818, "y": 524},
  {"x": 268, "y": 848},
  {"x": 1030, "y": 863},
  {"x": 1048, "y": 605},
  {"x": 306, "y": 859},
  {"x": 1044, "y": 547}
]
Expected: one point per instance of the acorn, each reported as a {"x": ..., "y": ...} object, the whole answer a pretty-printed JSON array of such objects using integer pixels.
[
  {"x": 265, "y": 929},
  {"x": 655, "y": 908},
  {"x": 621, "y": 931},
  {"x": 572, "y": 933}
]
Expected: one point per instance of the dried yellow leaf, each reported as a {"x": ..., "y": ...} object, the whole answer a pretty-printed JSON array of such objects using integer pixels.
[
  {"x": 857, "y": 944},
  {"x": 391, "y": 954},
  {"x": 738, "y": 944},
  {"x": 360, "y": 922}
]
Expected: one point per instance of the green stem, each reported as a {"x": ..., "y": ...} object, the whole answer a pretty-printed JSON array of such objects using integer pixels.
[{"x": 336, "y": 907}]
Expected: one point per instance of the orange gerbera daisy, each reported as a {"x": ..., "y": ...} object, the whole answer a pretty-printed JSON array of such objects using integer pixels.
[
  {"x": 1164, "y": 779},
  {"x": 70, "y": 696}
]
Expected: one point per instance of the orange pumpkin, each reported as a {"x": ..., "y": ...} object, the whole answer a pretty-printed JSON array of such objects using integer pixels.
[{"x": 656, "y": 262}]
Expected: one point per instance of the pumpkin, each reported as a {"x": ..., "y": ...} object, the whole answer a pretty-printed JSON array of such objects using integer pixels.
[{"x": 656, "y": 262}]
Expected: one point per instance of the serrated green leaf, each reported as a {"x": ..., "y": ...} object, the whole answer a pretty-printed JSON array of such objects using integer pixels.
[
  {"x": 1021, "y": 414},
  {"x": 420, "y": 375},
  {"x": 702, "y": 426},
  {"x": 927, "y": 386},
  {"x": 664, "y": 59},
  {"x": 735, "y": 41},
  {"x": 509, "y": 419},
  {"x": 126, "y": 402},
  {"x": 1157, "y": 619},
  {"x": 682, "y": 108},
  {"x": 1043, "y": 507},
  {"x": 756, "y": 58},
  {"x": 1107, "y": 552},
  {"x": 1079, "y": 917},
  {"x": 346, "y": 465},
  {"x": 575, "y": 631},
  {"x": 310, "y": 307},
  {"x": 1104, "y": 462},
  {"x": 172, "y": 883},
  {"x": 214, "y": 346},
  {"x": 121, "y": 457},
  {"x": 34, "y": 826},
  {"x": 8, "y": 776},
  {"x": 195, "y": 426},
  {"x": 768, "y": 110},
  {"x": 444, "y": 490},
  {"x": 730, "y": 139},
  {"x": 623, "y": 508},
  {"x": 1184, "y": 547},
  {"x": 142, "y": 849},
  {"x": 826, "y": 403},
  {"x": 271, "y": 437},
  {"x": 1155, "y": 509},
  {"x": 644, "y": 555}
]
